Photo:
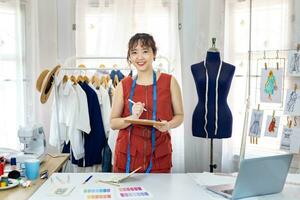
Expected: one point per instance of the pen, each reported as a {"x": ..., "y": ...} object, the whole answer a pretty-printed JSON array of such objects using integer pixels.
[
  {"x": 134, "y": 102},
  {"x": 87, "y": 179}
]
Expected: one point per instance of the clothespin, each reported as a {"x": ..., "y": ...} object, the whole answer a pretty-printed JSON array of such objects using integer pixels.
[
  {"x": 258, "y": 107},
  {"x": 101, "y": 66},
  {"x": 81, "y": 66},
  {"x": 290, "y": 123},
  {"x": 266, "y": 66},
  {"x": 295, "y": 87},
  {"x": 273, "y": 114},
  {"x": 277, "y": 57},
  {"x": 298, "y": 47},
  {"x": 264, "y": 54}
]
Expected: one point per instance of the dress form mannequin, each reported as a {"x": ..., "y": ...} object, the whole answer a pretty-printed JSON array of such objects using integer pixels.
[{"x": 212, "y": 117}]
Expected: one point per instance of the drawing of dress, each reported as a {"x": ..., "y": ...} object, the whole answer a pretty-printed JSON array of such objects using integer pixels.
[
  {"x": 270, "y": 84},
  {"x": 290, "y": 105},
  {"x": 255, "y": 128},
  {"x": 295, "y": 64},
  {"x": 272, "y": 125}
]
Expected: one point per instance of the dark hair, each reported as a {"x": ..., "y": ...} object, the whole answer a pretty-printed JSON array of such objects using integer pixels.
[{"x": 146, "y": 41}]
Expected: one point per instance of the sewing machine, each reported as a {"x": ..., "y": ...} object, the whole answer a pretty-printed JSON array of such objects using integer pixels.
[{"x": 33, "y": 138}]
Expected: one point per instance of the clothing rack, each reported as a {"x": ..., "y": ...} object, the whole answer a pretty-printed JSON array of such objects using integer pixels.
[
  {"x": 116, "y": 58},
  {"x": 56, "y": 92}
]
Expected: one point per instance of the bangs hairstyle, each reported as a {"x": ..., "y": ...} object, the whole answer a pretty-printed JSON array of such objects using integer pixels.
[{"x": 146, "y": 41}]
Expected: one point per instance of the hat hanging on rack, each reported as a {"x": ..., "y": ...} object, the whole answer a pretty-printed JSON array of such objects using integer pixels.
[
  {"x": 45, "y": 83},
  {"x": 39, "y": 81}
]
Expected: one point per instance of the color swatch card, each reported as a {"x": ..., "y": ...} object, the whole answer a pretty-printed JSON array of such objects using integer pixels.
[
  {"x": 97, "y": 193},
  {"x": 134, "y": 192}
]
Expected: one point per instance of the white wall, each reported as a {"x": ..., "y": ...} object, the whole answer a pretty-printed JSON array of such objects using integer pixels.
[
  {"x": 47, "y": 23},
  {"x": 201, "y": 20}
]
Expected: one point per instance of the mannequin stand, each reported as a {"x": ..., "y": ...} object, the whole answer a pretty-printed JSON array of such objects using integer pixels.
[{"x": 212, "y": 166}]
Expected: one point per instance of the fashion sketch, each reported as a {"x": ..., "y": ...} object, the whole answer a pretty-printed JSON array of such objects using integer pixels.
[
  {"x": 292, "y": 103},
  {"x": 294, "y": 63},
  {"x": 255, "y": 123},
  {"x": 286, "y": 138},
  {"x": 271, "y": 85},
  {"x": 272, "y": 125}
]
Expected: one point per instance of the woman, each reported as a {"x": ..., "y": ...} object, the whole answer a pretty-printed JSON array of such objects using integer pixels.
[{"x": 145, "y": 146}]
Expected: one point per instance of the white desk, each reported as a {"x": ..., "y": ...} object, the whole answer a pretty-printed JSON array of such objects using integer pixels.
[{"x": 161, "y": 186}]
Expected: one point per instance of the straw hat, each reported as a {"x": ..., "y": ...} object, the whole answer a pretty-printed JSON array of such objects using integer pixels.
[
  {"x": 39, "y": 81},
  {"x": 44, "y": 83}
]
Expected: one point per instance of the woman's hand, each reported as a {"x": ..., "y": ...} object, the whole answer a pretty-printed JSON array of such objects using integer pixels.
[
  {"x": 137, "y": 110},
  {"x": 164, "y": 127}
]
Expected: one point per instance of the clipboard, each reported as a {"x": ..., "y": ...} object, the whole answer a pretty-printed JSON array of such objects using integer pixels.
[
  {"x": 118, "y": 179},
  {"x": 145, "y": 122}
]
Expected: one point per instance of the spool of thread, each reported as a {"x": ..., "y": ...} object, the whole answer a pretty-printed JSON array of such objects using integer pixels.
[
  {"x": 2, "y": 164},
  {"x": 3, "y": 184},
  {"x": 13, "y": 163}
]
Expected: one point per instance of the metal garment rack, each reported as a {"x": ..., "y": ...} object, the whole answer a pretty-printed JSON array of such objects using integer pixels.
[{"x": 56, "y": 92}]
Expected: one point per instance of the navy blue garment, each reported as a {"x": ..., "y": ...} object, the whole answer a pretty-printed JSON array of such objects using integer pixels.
[
  {"x": 106, "y": 161},
  {"x": 224, "y": 121},
  {"x": 95, "y": 141},
  {"x": 118, "y": 73}
]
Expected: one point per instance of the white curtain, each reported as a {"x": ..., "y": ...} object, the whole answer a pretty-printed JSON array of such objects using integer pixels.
[
  {"x": 271, "y": 30},
  {"x": 18, "y": 61},
  {"x": 103, "y": 28},
  {"x": 11, "y": 72},
  {"x": 201, "y": 21}
]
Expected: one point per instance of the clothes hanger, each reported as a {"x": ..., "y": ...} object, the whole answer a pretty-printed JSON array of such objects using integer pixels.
[
  {"x": 80, "y": 77},
  {"x": 116, "y": 81}
]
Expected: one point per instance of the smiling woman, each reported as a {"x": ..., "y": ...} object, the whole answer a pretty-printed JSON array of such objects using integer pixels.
[{"x": 148, "y": 147}]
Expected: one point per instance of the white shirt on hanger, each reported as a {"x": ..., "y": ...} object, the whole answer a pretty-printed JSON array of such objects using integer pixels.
[
  {"x": 57, "y": 128},
  {"x": 73, "y": 117},
  {"x": 77, "y": 117}
]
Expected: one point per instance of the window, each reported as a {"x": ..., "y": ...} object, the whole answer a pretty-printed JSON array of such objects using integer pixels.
[
  {"x": 103, "y": 29},
  {"x": 11, "y": 72},
  {"x": 271, "y": 30}
]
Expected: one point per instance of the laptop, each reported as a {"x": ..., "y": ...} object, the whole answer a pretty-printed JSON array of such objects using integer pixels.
[{"x": 257, "y": 176}]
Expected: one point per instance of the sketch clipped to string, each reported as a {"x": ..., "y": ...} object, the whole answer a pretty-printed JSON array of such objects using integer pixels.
[
  {"x": 292, "y": 103},
  {"x": 271, "y": 85},
  {"x": 256, "y": 122},
  {"x": 293, "y": 63}
]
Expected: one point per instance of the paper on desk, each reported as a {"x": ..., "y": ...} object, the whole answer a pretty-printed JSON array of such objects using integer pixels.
[
  {"x": 61, "y": 190},
  {"x": 133, "y": 192},
  {"x": 205, "y": 179}
]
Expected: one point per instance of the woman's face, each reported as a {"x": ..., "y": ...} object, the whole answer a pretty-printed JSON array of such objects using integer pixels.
[{"x": 142, "y": 57}]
